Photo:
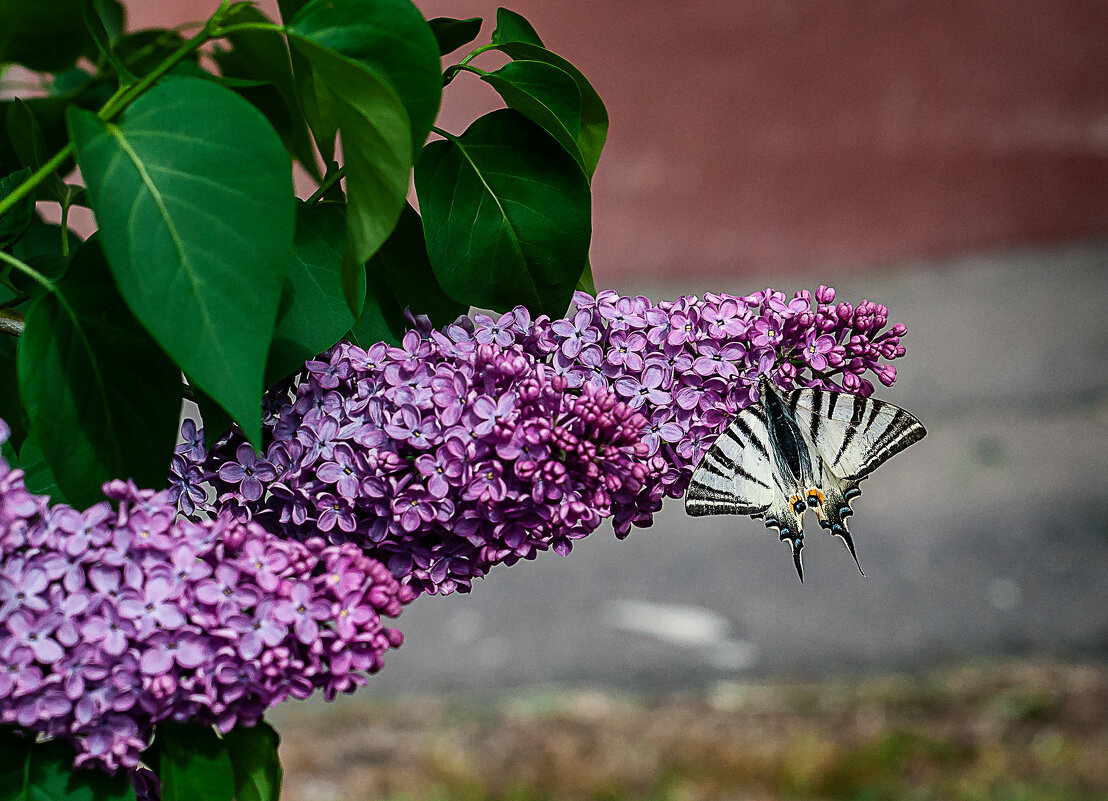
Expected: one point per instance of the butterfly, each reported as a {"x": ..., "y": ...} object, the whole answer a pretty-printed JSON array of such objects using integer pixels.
[{"x": 795, "y": 450}]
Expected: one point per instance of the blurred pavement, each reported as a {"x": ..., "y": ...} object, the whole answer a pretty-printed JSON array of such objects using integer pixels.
[{"x": 988, "y": 537}]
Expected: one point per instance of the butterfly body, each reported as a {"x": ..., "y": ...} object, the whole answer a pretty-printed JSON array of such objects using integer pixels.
[{"x": 791, "y": 451}]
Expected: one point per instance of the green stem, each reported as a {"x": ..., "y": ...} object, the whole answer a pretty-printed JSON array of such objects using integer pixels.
[
  {"x": 116, "y": 103},
  {"x": 40, "y": 175},
  {"x": 475, "y": 53},
  {"x": 65, "y": 227},
  {"x": 28, "y": 271},
  {"x": 444, "y": 134},
  {"x": 450, "y": 72},
  {"x": 470, "y": 68},
  {"x": 328, "y": 181},
  {"x": 249, "y": 26}
]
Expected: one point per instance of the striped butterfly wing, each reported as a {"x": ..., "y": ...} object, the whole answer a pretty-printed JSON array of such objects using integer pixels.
[
  {"x": 735, "y": 476},
  {"x": 854, "y": 435}
]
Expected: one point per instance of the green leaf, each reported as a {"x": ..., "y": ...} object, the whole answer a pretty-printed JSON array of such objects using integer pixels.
[
  {"x": 16, "y": 219},
  {"x": 586, "y": 283},
  {"x": 314, "y": 314},
  {"x": 381, "y": 319},
  {"x": 377, "y": 145},
  {"x": 512, "y": 27},
  {"x": 450, "y": 34},
  {"x": 40, "y": 247},
  {"x": 253, "y": 751},
  {"x": 43, "y": 35},
  {"x": 112, "y": 16},
  {"x": 38, "y": 477},
  {"x": 403, "y": 263},
  {"x": 31, "y": 771},
  {"x": 30, "y": 147},
  {"x": 102, "y": 399},
  {"x": 49, "y": 114},
  {"x": 594, "y": 117},
  {"x": 264, "y": 56},
  {"x": 193, "y": 194},
  {"x": 142, "y": 51},
  {"x": 289, "y": 8},
  {"x": 11, "y": 407},
  {"x": 545, "y": 94},
  {"x": 94, "y": 22},
  {"x": 193, "y": 763},
  {"x": 25, "y": 135},
  {"x": 506, "y": 215},
  {"x": 216, "y": 420},
  {"x": 389, "y": 38}
]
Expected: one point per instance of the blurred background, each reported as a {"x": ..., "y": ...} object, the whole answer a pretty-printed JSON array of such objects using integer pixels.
[{"x": 947, "y": 159}]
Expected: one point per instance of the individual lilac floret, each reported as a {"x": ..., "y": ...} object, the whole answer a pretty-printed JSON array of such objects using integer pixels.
[
  {"x": 493, "y": 440},
  {"x": 117, "y": 618}
]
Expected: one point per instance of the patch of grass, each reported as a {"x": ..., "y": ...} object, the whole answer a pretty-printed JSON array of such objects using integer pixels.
[{"x": 1020, "y": 731}]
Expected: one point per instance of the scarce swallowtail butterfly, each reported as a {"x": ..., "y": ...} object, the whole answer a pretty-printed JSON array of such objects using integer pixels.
[{"x": 799, "y": 449}]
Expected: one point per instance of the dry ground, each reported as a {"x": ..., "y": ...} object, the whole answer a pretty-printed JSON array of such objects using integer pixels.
[{"x": 1014, "y": 731}]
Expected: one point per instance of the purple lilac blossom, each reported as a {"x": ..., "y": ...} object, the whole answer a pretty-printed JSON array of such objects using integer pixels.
[
  {"x": 112, "y": 622},
  {"x": 493, "y": 440},
  {"x": 454, "y": 452}
]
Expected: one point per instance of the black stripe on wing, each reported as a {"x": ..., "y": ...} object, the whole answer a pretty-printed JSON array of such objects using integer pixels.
[
  {"x": 857, "y": 437},
  {"x": 734, "y": 475}
]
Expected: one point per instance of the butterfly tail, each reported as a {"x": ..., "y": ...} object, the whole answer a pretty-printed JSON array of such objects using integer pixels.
[
  {"x": 835, "y": 508},
  {"x": 786, "y": 520}
]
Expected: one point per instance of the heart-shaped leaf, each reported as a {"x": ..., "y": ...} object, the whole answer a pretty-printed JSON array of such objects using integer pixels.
[
  {"x": 43, "y": 36},
  {"x": 403, "y": 263},
  {"x": 102, "y": 399},
  {"x": 450, "y": 34},
  {"x": 193, "y": 194},
  {"x": 506, "y": 214},
  {"x": 31, "y": 771},
  {"x": 547, "y": 95},
  {"x": 381, "y": 320},
  {"x": 513, "y": 27},
  {"x": 253, "y": 752},
  {"x": 594, "y": 116},
  {"x": 192, "y": 762},
  {"x": 388, "y": 37},
  {"x": 376, "y": 140},
  {"x": 15, "y": 220},
  {"x": 263, "y": 55},
  {"x": 313, "y": 315},
  {"x": 11, "y": 407}
]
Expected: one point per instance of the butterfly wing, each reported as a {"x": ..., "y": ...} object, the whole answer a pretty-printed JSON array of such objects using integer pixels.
[
  {"x": 853, "y": 435},
  {"x": 734, "y": 476}
]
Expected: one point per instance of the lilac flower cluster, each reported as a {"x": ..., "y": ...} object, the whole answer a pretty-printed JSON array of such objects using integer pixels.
[
  {"x": 690, "y": 365},
  {"x": 454, "y": 452},
  {"x": 496, "y": 439},
  {"x": 119, "y": 617}
]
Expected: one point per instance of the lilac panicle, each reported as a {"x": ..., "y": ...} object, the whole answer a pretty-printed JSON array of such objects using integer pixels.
[
  {"x": 494, "y": 440},
  {"x": 119, "y": 617},
  {"x": 446, "y": 455}
]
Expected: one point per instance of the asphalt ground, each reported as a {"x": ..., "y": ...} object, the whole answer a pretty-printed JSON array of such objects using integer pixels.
[{"x": 988, "y": 538}]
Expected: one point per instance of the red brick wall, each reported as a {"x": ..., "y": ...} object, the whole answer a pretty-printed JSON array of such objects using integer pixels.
[{"x": 785, "y": 134}]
